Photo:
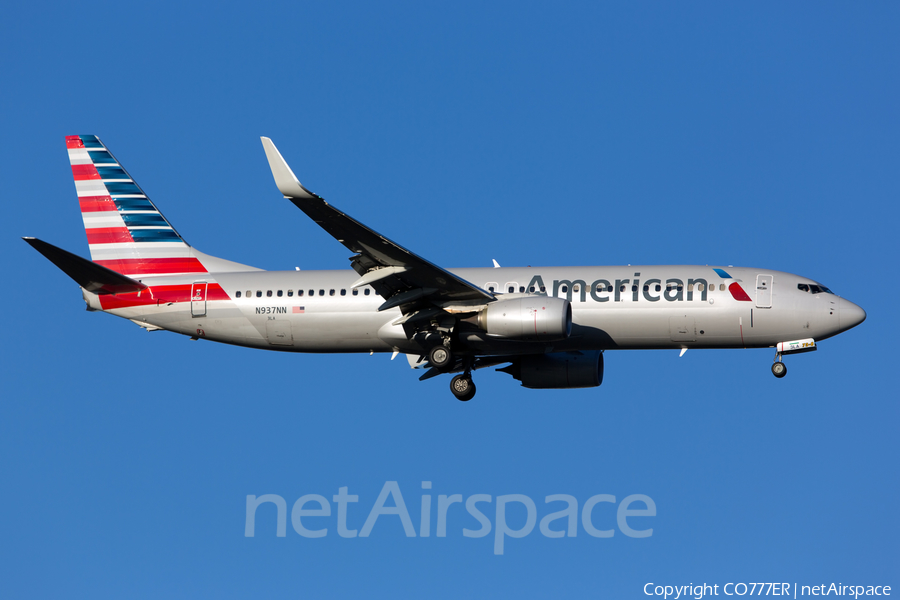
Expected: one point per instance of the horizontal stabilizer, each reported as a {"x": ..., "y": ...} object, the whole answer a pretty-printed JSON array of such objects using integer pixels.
[{"x": 89, "y": 275}]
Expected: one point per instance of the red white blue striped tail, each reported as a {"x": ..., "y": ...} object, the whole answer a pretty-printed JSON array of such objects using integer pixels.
[{"x": 125, "y": 230}]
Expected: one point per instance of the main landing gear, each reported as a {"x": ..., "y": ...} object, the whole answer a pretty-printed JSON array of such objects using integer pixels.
[
  {"x": 440, "y": 357},
  {"x": 463, "y": 387},
  {"x": 779, "y": 369}
]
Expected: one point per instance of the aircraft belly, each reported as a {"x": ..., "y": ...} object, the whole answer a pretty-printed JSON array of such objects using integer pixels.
[
  {"x": 223, "y": 323},
  {"x": 338, "y": 332},
  {"x": 703, "y": 326}
]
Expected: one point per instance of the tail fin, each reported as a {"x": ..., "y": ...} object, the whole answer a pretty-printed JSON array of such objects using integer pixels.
[{"x": 126, "y": 232}]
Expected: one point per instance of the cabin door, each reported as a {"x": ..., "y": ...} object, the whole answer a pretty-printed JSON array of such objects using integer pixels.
[
  {"x": 198, "y": 298},
  {"x": 763, "y": 291}
]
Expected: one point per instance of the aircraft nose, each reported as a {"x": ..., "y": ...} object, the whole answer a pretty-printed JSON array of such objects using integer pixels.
[{"x": 851, "y": 315}]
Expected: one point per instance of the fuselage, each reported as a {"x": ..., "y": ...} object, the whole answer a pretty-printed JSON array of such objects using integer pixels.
[{"x": 616, "y": 307}]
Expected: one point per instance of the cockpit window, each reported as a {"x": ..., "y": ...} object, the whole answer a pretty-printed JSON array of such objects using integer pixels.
[{"x": 815, "y": 289}]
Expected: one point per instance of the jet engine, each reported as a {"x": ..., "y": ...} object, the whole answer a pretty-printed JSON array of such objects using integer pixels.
[
  {"x": 530, "y": 318},
  {"x": 559, "y": 370}
]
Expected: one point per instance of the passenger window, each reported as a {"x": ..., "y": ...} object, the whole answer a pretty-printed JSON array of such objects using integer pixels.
[
  {"x": 259, "y": 293},
  {"x": 321, "y": 292},
  {"x": 622, "y": 288},
  {"x": 721, "y": 287},
  {"x": 699, "y": 287},
  {"x": 343, "y": 292},
  {"x": 491, "y": 289},
  {"x": 658, "y": 287},
  {"x": 356, "y": 292},
  {"x": 543, "y": 289},
  {"x": 511, "y": 289},
  {"x": 646, "y": 288},
  {"x": 280, "y": 293},
  {"x": 521, "y": 289},
  {"x": 268, "y": 293},
  {"x": 290, "y": 293},
  {"x": 633, "y": 288},
  {"x": 312, "y": 292},
  {"x": 299, "y": 292},
  {"x": 237, "y": 294},
  {"x": 366, "y": 292},
  {"x": 249, "y": 293},
  {"x": 331, "y": 292},
  {"x": 531, "y": 290},
  {"x": 564, "y": 289}
]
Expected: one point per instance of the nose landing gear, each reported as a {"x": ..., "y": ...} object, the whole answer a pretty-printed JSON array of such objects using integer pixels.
[{"x": 779, "y": 369}]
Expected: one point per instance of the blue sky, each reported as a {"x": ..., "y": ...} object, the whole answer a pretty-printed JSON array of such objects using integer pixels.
[{"x": 647, "y": 133}]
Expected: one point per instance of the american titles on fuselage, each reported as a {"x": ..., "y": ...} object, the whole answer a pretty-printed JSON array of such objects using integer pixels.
[{"x": 600, "y": 290}]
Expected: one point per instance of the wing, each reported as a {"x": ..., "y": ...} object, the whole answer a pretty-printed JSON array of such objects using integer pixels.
[{"x": 401, "y": 277}]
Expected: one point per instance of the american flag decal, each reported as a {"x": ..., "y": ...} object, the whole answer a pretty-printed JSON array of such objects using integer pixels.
[{"x": 298, "y": 309}]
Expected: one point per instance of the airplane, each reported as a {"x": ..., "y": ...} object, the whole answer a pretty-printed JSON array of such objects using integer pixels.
[{"x": 549, "y": 326}]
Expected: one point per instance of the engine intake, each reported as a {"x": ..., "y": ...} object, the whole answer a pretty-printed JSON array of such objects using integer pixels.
[
  {"x": 559, "y": 370},
  {"x": 529, "y": 318}
]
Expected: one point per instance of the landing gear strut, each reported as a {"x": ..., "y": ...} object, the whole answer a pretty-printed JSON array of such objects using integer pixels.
[
  {"x": 779, "y": 369},
  {"x": 463, "y": 387}
]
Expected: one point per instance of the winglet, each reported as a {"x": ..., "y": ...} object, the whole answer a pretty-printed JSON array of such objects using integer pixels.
[{"x": 287, "y": 182}]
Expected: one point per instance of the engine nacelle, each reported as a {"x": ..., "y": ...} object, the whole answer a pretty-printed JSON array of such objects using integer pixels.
[
  {"x": 529, "y": 318},
  {"x": 559, "y": 370}
]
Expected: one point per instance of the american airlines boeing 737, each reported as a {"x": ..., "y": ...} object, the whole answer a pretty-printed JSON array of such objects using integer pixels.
[{"x": 549, "y": 326}]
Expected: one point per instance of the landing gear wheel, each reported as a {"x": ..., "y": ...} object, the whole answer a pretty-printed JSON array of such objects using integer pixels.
[
  {"x": 440, "y": 357},
  {"x": 779, "y": 369},
  {"x": 463, "y": 387}
]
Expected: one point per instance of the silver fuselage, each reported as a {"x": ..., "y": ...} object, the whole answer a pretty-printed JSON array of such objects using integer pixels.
[{"x": 617, "y": 307}]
